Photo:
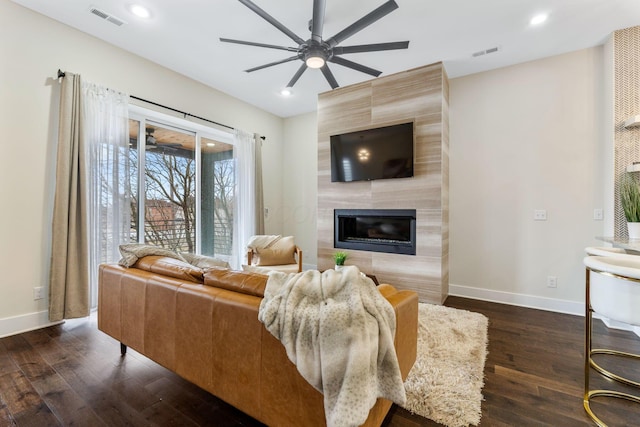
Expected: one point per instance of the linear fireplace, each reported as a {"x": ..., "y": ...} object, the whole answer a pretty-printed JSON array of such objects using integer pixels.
[{"x": 376, "y": 230}]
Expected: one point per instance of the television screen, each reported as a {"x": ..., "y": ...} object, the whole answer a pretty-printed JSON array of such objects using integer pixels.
[{"x": 380, "y": 153}]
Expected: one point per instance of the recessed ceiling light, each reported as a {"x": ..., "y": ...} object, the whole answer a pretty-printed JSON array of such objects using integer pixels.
[
  {"x": 211, "y": 144},
  {"x": 539, "y": 19},
  {"x": 140, "y": 11},
  {"x": 286, "y": 91}
]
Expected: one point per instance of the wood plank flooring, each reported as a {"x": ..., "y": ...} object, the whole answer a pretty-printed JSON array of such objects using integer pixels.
[{"x": 73, "y": 375}]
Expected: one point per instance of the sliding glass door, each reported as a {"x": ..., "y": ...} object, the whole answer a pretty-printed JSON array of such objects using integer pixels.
[{"x": 182, "y": 184}]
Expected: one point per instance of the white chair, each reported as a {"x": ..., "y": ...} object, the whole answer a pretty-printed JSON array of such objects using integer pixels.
[
  {"x": 612, "y": 290},
  {"x": 268, "y": 253}
]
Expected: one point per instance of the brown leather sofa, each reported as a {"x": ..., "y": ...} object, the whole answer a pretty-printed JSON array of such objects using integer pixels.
[{"x": 203, "y": 325}]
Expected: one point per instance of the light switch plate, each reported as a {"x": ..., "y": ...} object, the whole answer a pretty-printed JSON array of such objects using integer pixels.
[
  {"x": 540, "y": 215},
  {"x": 598, "y": 214}
]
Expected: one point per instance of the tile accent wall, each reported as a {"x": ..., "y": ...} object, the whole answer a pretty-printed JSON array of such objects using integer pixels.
[
  {"x": 626, "y": 45},
  {"x": 420, "y": 95}
]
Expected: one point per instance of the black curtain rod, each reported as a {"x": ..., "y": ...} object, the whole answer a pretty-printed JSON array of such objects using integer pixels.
[
  {"x": 61, "y": 74},
  {"x": 185, "y": 114}
]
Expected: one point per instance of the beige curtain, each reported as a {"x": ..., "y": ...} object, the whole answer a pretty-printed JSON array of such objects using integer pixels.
[
  {"x": 69, "y": 275},
  {"x": 259, "y": 196}
]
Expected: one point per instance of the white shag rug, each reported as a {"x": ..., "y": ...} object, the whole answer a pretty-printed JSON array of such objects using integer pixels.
[{"x": 445, "y": 384}]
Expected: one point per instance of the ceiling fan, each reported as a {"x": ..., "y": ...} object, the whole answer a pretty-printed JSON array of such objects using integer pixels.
[
  {"x": 316, "y": 51},
  {"x": 151, "y": 143}
]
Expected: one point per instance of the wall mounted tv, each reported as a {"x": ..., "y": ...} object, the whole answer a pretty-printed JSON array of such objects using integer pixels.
[{"x": 380, "y": 153}]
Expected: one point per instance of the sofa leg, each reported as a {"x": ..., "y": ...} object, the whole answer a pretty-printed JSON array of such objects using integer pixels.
[{"x": 123, "y": 349}]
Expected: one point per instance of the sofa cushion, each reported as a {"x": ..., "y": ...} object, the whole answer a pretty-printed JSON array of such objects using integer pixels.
[
  {"x": 170, "y": 267},
  {"x": 204, "y": 261},
  {"x": 280, "y": 252},
  {"x": 238, "y": 281}
]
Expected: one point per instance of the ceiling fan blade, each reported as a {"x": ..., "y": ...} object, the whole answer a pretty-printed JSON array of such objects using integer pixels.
[
  {"x": 355, "y": 66},
  {"x": 293, "y": 58},
  {"x": 273, "y": 21},
  {"x": 329, "y": 76},
  {"x": 339, "y": 50},
  {"x": 362, "y": 23},
  {"x": 270, "y": 46},
  {"x": 317, "y": 22},
  {"x": 297, "y": 75}
]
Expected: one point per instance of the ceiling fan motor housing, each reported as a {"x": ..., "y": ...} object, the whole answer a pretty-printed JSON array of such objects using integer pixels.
[{"x": 315, "y": 49}]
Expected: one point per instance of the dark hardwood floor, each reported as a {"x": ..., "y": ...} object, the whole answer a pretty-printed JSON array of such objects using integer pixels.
[{"x": 72, "y": 374}]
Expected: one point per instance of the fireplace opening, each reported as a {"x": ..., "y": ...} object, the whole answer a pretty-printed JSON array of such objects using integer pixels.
[{"x": 377, "y": 230}]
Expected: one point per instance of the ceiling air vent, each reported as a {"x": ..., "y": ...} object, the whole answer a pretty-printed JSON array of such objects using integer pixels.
[
  {"x": 485, "y": 52},
  {"x": 106, "y": 16}
]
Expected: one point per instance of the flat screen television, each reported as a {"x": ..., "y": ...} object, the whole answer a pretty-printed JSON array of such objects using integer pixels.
[{"x": 380, "y": 153}]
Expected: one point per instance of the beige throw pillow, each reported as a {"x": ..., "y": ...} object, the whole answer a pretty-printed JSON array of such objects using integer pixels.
[{"x": 280, "y": 252}]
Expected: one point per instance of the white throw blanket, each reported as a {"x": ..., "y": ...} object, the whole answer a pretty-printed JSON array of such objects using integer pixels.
[
  {"x": 338, "y": 330},
  {"x": 262, "y": 241}
]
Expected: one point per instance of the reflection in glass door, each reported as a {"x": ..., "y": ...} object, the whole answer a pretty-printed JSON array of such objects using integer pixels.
[{"x": 217, "y": 197}]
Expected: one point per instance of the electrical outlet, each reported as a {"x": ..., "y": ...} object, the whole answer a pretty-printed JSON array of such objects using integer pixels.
[
  {"x": 38, "y": 293},
  {"x": 552, "y": 282},
  {"x": 598, "y": 214},
  {"x": 540, "y": 215}
]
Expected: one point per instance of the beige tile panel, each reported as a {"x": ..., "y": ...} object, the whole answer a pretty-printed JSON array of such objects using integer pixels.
[
  {"x": 419, "y": 274},
  {"x": 420, "y": 192},
  {"x": 361, "y": 259},
  {"x": 428, "y": 143},
  {"x": 416, "y": 85},
  {"x": 429, "y": 233},
  {"x": 344, "y": 195},
  {"x": 355, "y": 99}
]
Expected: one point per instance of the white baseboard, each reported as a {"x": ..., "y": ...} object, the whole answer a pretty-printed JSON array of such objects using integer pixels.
[
  {"x": 521, "y": 300},
  {"x": 25, "y": 323},
  {"x": 531, "y": 301}
]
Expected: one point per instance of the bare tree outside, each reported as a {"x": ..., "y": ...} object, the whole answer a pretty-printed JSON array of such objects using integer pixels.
[{"x": 170, "y": 201}]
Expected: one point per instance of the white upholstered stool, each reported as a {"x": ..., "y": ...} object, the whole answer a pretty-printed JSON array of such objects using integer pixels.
[
  {"x": 603, "y": 251},
  {"x": 612, "y": 290}
]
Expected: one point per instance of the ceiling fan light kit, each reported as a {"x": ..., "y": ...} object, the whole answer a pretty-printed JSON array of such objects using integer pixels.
[
  {"x": 315, "y": 62},
  {"x": 316, "y": 52},
  {"x": 315, "y": 56}
]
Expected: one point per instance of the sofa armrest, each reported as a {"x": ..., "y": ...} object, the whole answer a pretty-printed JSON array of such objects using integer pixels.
[{"x": 405, "y": 304}]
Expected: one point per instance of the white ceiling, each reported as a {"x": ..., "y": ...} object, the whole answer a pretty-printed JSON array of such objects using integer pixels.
[{"x": 184, "y": 36}]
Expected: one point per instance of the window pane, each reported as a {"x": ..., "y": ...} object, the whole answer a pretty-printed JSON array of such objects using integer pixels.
[
  {"x": 217, "y": 197},
  {"x": 170, "y": 172}
]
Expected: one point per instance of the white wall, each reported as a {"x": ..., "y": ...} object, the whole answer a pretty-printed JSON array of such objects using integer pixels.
[
  {"x": 527, "y": 137},
  {"x": 32, "y": 49},
  {"x": 300, "y": 184}
]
